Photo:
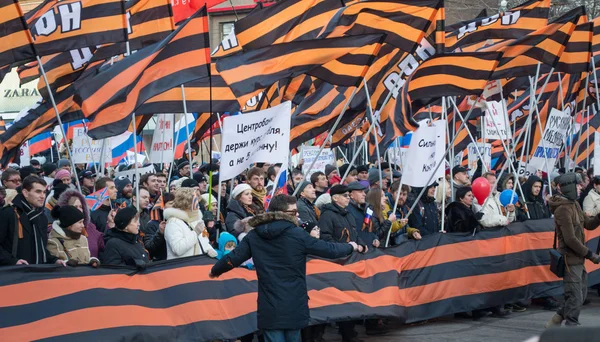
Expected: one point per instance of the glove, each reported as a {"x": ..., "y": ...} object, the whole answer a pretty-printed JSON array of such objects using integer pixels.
[
  {"x": 212, "y": 253},
  {"x": 595, "y": 258},
  {"x": 479, "y": 216}
]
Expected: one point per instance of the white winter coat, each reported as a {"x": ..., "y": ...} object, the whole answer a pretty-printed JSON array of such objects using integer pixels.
[
  {"x": 591, "y": 203},
  {"x": 492, "y": 213},
  {"x": 182, "y": 240}
]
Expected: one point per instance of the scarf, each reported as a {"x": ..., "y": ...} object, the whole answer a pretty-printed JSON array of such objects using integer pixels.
[{"x": 259, "y": 194}]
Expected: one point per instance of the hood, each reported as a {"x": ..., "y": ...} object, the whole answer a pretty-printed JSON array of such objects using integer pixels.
[
  {"x": 64, "y": 198},
  {"x": 271, "y": 225},
  {"x": 527, "y": 189},
  {"x": 176, "y": 213},
  {"x": 557, "y": 200},
  {"x": 58, "y": 232},
  {"x": 503, "y": 180},
  {"x": 224, "y": 238}
]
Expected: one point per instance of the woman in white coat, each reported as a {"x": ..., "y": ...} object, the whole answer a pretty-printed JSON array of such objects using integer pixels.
[
  {"x": 591, "y": 203},
  {"x": 185, "y": 232}
]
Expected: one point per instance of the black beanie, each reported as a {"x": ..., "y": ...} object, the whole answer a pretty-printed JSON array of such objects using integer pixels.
[
  {"x": 124, "y": 216},
  {"x": 67, "y": 215},
  {"x": 59, "y": 189}
]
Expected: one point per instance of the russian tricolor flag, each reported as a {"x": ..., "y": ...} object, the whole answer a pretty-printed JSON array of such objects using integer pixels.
[
  {"x": 40, "y": 143},
  {"x": 280, "y": 187},
  {"x": 123, "y": 143},
  {"x": 181, "y": 134},
  {"x": 70, "y": 126}
]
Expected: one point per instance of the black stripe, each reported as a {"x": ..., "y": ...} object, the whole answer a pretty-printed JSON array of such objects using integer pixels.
[
  {"x": 583, "y": 47},
  {"x": 435, "y": 91},
  {"x": 183, "y": 45},
  {"x": 192, "y": 106},
  {"x": 150, "y": 14},
  {"x": 91, "y": 39},
  {"x": 262, "y": 16},
  {"x": 452, "y": 70},
  {"x": 573, "y": 68},
  {"x": 485, "y": 34},
  {"x": 23, "y": 53}
]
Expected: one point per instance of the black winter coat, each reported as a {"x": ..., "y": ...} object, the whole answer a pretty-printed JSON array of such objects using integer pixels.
[
  {"x": 460, "y": 218},
  {"x": 99, "y": 217},
  {"x": 425, "y": 216},
  {"x": 154, "y": 241},
  {"x": 235, "y": 212},
  {"x": 536, "y": 206},
  {"x": 32, "y": 247},
  {"x": 358, "y": 213},
  {"x": 123, "y": 249},
  {"x": 279, "y": 249},
  {"x": 379, "y": 230},
  {"x": 338, "y": 225},
  {"x": 307, "y": 211}
]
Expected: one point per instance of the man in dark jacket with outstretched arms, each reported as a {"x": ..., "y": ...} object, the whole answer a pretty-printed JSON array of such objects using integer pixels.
[{"x": 279, "y": 248}]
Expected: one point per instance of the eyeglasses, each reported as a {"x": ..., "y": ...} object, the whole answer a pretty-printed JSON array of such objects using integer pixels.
[
  {"x": 346, "y": 195},
  {"x": 291, "y": 212}
]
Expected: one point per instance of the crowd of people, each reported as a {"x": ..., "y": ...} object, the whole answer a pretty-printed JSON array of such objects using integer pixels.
[{"x": 45, "y": 219}]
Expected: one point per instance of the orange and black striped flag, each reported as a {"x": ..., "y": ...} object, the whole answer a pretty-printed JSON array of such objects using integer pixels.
[
  {"x": 109, "y": 98},
  {"x": 596, "y": 37},
  {"x": 251, "y": 72},
  {"x": 28, "y": 72},
  {"x": 513, "y": 24},
  {"x": 456, "y": 74},
  {"x": 16, "y": 43},
  {"x": 64, "y": 68},
  {"x": 578, "y": 51},
  {"x": 197, "y": 97},
  {"x": 70, "y": 24},
  {"x": 286, "y": 21},
  {"x": 2, "y": 125},
  {"x": 405, "y": 22},
  {"x": 149, "y": 21},
  {"x": 300, "y": 87},
  {"x": 546, "y": 45}
]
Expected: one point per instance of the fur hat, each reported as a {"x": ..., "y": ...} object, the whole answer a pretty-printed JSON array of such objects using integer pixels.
[{"x": 568, "y": 184}]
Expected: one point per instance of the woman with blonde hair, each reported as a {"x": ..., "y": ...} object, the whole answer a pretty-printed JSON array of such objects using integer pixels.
[{"x": 185, "y": 232}]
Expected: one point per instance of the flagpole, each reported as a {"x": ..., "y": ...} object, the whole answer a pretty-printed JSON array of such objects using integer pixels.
[
  {"x": 174, "y": 148},
  {"x": 470, "y": 135},
  {"x": 587, "y": 162},
  {"x": 329, "y": 135},
  {"x": 60, "y": 124},
  {"x": 583, "y": 110},
  {"x": 373, "y": 123},
  {"x": 137, "y": 174},
  {"x": 187, "y": 129},
  {"x": 87, "y": 139}
]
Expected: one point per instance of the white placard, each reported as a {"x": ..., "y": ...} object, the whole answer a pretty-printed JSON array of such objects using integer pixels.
[
  {"x": 554, "y": 136},
  {"x": 495, "y": 114},
  {"x": 131, "y": 173},
  {"x": 309, "y": 153},
  {"x": 25, "y": 158},
  {"x": 398, "y": 155},
  {"x": 427, "y": 147},
  {"x": 262, "y": 136},
  {"x": 486, "y": 152},
  {"x": 162, "y": 140},
  {"x": 81, "y": 148},
  {"x": 458, "y": 159}
]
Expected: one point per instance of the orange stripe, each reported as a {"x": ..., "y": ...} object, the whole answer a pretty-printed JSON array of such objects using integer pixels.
[
  {"x": 9, "y": 13},
  {"x": 14, "y": 41},
  {"x": 89, "y": 26},
  {"x": 105, "y": 317},
  {"x": 150, "y": 27},
  {"x": 428, "y": 81}
]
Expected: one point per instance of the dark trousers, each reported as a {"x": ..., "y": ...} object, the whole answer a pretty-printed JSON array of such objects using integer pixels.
[{"x": 575, "y": 284}]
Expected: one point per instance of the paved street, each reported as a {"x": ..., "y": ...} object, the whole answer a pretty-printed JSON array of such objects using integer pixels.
[{"x": 517, "y": 327}]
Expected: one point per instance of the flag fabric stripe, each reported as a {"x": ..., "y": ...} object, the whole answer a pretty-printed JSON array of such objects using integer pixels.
[
  {"x": 89, "y": 23},
  {"x": 430, "y": 267},
  {"x": 16, "y": 43},
  {"x": 180, "y": 58},
  {"x": 251, "y": 72}
]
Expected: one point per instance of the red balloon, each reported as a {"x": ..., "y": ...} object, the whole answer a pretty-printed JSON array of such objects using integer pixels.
[{"x": 481, "y": 189}]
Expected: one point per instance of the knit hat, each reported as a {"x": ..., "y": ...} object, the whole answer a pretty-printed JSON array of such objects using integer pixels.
[
  {"x": 199, "y": 177},
  {"x": 329, "y": 169},
  {"x": 302, "y": 186},
  {"x": 338, "y": 190},
  {"x": 568, "y": 184},
  {"x": 183, "y": 164},
  {"x": 308, "y": 226},
  {"x": 345, "y": 168},
  {"x": 239, "y": 189},
  {"x": 59, "y": 189},
  {"x": 206, "y": 196},
  {"x": 67, "y": 215},
  {"x": 48, "y": 168},
  {"x": 362, "y": 168},
  {"x": 189, "y": 183},
  {"x": 28, "y": 170},
  {"x": 62, "y": 174},
  {"x": 373, "y": 176},
  {"x": 121, "y": 182},
  {"x": 63, "y": 162},
  {"x": 124, "y": 216}
]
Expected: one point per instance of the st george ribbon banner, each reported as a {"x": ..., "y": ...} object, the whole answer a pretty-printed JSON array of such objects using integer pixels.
[
  {"x": 262, "y": 136},
  {"x": 439, "y": 275}
]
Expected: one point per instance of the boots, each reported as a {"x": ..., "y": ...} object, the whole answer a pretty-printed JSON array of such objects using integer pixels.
[{"x": 554, "y": 322}]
